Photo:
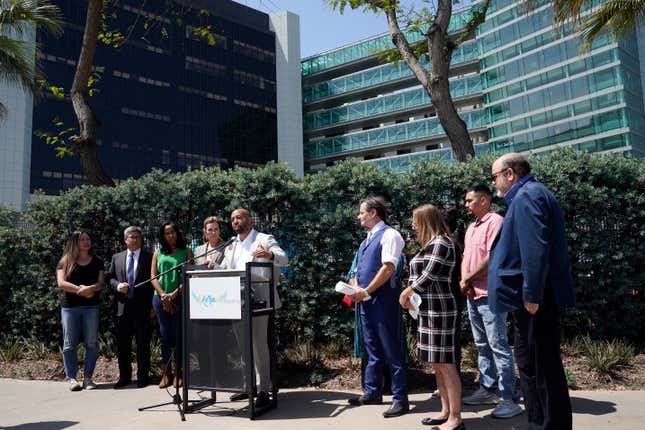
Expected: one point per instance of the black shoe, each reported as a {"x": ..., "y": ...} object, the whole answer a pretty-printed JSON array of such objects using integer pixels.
[
  {"x": 461, "y": 426},
  {"x": 433, "y": 421},
  {"x": 262, "y": 400},
  {"x": 239, "y": 396},
  {"x": 365, "y": 400},
  {"x": 121, "y": 383},
  {"x": 396, "y": 410},
  {"x": 143, "y": 382}
]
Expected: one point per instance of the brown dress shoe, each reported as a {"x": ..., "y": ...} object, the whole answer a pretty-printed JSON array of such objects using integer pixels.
[
  {"x": 166, "y": 379},
  {"x": 178, "y": 381}
]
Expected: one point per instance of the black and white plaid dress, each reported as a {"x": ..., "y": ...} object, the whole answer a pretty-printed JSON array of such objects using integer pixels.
[{"x": 430, "y": 273}]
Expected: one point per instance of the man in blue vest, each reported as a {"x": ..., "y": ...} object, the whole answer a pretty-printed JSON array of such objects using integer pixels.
[
  {"x": 529, "y": 274},
  {"x": 378, "y": 295}
]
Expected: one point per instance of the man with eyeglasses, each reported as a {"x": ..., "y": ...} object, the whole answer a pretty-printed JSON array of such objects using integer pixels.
[
  {"x": 529, "y": 274},
  {"x": 132, "y": 306}
]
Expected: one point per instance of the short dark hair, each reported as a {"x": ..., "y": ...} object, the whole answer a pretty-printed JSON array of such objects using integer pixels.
[
  {"x": 165, "y": 246},
  {"x": 376, "y": 203},
  {"x": 481, "y": 189},
  {"x": 518, "y": 163}
]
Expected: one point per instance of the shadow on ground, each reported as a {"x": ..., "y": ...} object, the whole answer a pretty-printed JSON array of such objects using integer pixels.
[
  {"x": 43, "y": 425},
  {"x": 592, "y": 407},
  {"x": 298, "y": 405}
]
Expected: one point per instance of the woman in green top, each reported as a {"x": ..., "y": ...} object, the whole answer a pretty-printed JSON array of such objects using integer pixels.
[{"x": 166, "y": 301}]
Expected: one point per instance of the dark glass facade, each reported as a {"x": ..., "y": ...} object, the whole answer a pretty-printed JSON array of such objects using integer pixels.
[{"x": 169, "y": 98}]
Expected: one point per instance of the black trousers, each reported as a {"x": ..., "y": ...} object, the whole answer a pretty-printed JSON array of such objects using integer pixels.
[
  {"x": 542, "y": 378},
  {"x": 133, "y": 322}
]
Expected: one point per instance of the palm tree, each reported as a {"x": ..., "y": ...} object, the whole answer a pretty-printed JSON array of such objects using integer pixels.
[
  {"x": 17, "y": 55},
  {"x": 618, "y": 16}
]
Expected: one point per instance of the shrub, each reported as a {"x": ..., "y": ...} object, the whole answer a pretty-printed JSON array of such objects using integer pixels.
[
  {"x": 470, "y": 355},
  {"x": 12, "y": 350},
  {"x": 606, "y": 357},
  {"x": 314, "y": 219}
]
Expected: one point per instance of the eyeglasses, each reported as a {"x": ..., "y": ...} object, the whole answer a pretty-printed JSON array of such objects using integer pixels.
[{"x": 494, "y": 176}]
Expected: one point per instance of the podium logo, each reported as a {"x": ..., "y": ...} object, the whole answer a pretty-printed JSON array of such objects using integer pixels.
[{"x": 208, "y": 300}]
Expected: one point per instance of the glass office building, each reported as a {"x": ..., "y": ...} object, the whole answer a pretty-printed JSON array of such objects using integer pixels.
[
  {"x": 169, "y": 98},
  {"x": 518, "y": 84},
  {"x": 172, "y": 97}
]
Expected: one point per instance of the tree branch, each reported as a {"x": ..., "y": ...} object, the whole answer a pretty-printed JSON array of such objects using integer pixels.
[
  {"x": 478, "y": 18},
  {"x": 400, "y": 41}
]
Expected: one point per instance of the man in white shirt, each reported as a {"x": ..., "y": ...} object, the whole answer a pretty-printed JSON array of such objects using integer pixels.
[
  {"x": 252, "y": 246},
  {"x": 381, "y": 323}
]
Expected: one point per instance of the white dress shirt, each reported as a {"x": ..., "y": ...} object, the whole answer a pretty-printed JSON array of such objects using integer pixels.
[
  {"x": 391, "y": 243},
  {"x": 242, "y": 250},
  {"x": 136, "y": 261}
]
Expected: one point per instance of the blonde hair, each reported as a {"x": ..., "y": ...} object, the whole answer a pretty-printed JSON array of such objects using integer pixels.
[
  {"x": 430, "y": 223},
  {"x": 70, "y": 255},
  {"x": 209, "y": 220}
]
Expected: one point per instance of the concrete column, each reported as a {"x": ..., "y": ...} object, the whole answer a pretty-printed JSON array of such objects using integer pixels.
[{"x": 286, "y": 26}]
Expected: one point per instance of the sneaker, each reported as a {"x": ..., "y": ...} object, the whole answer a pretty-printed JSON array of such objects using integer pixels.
[
  {"x": 74, "y": 385},
  {"x": 435, "y": 395},
  {"x": 507, "y": 409},
  {"x": 481, "y": 397},
  {"x": 88, "y": 384}
]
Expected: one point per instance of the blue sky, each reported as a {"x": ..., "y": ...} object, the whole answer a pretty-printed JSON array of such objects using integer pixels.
[{"x": 321, "y": 28}]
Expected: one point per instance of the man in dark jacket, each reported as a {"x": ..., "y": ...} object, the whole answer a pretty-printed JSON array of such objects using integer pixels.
[
  {"x": 132, "y": 306},
  {"x": 529, "y": 274}
]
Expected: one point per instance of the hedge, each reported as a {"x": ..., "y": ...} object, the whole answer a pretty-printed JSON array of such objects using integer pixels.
[{"x": 314, "y": 219}]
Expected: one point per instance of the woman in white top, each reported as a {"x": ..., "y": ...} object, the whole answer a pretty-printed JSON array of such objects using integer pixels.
[{"x": 205, "y": 254}]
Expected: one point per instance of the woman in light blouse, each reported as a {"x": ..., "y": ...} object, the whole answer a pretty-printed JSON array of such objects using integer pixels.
[{"x": 206, "y": 254}]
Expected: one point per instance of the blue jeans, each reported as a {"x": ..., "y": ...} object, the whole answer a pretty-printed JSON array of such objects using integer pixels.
[
  {"x": 77, "y": 321},
  {"x": 169, "y": 329},
  {"x": 495, "y": 362}
]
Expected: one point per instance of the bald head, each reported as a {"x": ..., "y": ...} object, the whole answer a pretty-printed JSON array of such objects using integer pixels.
[
  {"x": 507, "y": 170},
  {"x": 241, "y": 222},
  {"x": 515, "y": 161}
]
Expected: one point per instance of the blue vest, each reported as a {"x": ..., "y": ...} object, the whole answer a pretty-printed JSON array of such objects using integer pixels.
[{"x": 369, "y": 260}]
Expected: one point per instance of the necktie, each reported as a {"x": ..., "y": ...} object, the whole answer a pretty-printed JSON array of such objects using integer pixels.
[
  {"x": 129, "y": 274},
  {"x": 369, "y": 238}
]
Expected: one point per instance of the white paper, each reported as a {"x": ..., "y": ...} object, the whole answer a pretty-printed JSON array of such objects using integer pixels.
[
  {"x": 350, "y": 290},
  {"x": 215, "y": 298},
  {"x": 415, "y": 301},
  {"x": 344, "y": 288}
]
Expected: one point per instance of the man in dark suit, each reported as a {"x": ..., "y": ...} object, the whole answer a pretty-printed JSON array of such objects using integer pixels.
[
  {"x": 529, "y": 274},
  {"x": 127, "y": 269}
]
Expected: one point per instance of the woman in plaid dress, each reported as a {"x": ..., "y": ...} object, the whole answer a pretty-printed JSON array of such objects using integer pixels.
[{"x": 430, "y": 273}]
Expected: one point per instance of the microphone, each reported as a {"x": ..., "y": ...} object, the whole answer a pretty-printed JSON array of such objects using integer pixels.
[{"x": 225, "y": 244}]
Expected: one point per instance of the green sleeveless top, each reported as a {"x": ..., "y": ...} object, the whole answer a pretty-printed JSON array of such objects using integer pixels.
[{"x": 170, "y": 281}]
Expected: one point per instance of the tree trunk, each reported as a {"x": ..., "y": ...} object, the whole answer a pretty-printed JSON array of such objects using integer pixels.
[
  {"x": 436, "y": 81},
  {"x": 439, "y": 87},
  {"x": 85, "y": 144}
]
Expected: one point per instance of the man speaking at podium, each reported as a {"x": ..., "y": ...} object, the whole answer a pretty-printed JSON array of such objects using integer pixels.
[{"x": 252, "y": 246}]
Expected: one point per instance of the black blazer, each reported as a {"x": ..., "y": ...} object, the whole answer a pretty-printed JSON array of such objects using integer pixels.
[{"x": 142, "y": 299}]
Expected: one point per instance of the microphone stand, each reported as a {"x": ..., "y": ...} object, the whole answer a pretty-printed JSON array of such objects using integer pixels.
[
  {"x": 185, "y": 263},
  {"x": 176, "y": 398}
]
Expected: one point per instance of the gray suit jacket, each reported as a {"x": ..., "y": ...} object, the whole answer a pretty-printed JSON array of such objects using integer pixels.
[{"x": 142, "y": 299}]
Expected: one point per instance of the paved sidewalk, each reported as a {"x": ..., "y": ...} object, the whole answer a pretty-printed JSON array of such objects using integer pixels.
[{"x": 31, "y": 405}]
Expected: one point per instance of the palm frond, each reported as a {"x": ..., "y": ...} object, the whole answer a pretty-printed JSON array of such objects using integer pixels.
[
  {"x": 19, "y": 16},
  {"x": 617, "y": 16},
  {"x": 17, "y": 62},
  {"x": 565, "y": 9}
]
